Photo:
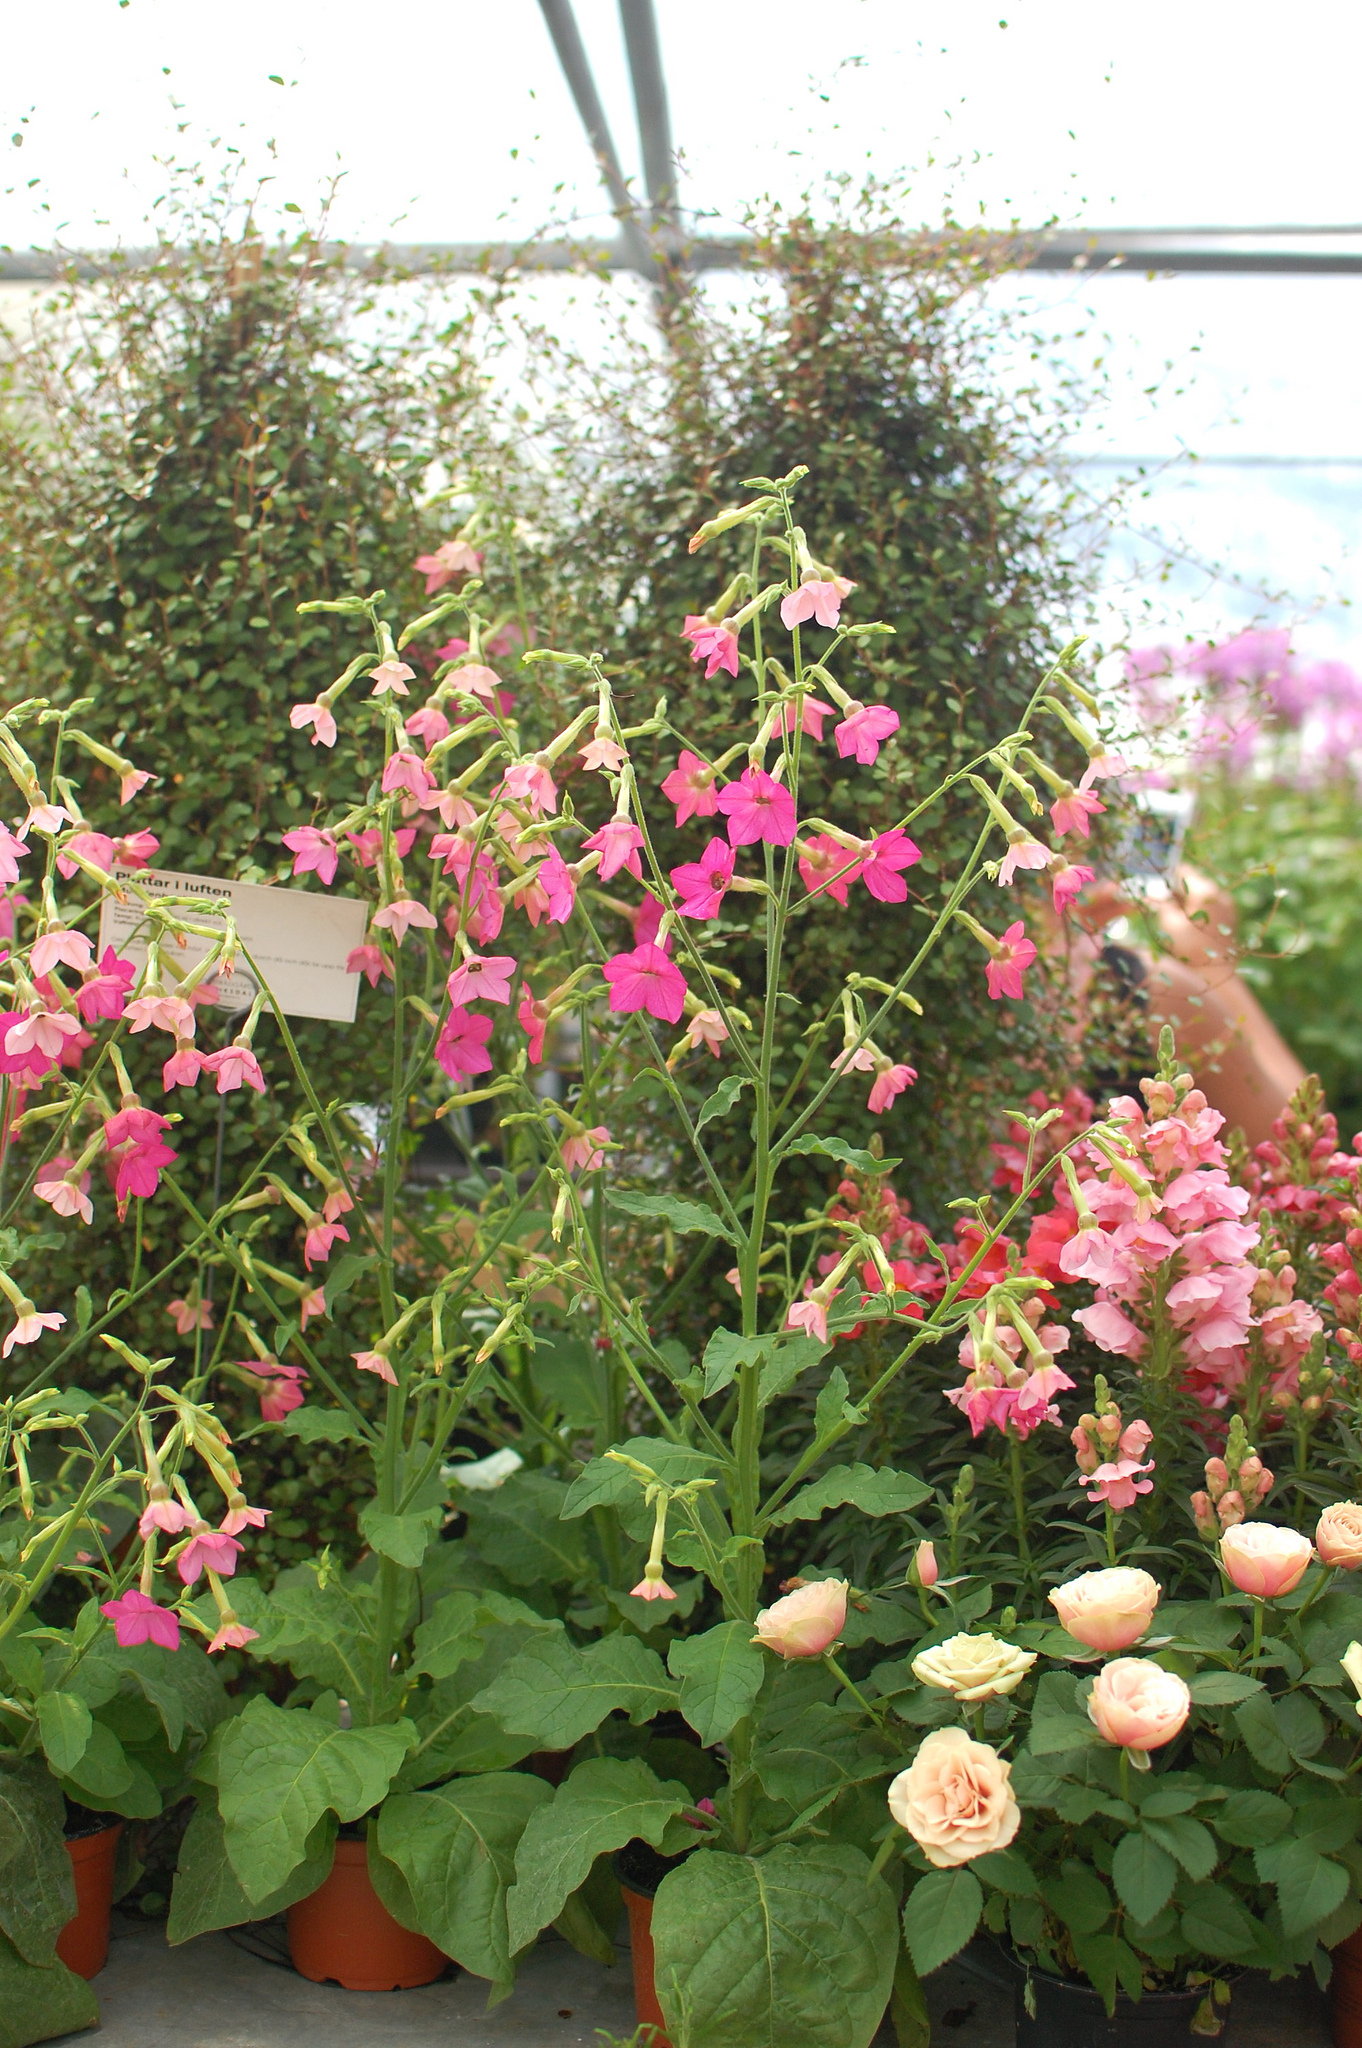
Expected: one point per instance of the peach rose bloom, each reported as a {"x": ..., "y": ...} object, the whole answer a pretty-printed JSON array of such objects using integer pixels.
[
  {"x": 1338, "y": 1535},
  {"x": 1107, "y": 1610},
  {"x": 806, "y": 1622},
  {"x": 1136, "y": 1704},
  {"x": 955, "y": 1799},
  {"x": 1265, "y": 1560}
]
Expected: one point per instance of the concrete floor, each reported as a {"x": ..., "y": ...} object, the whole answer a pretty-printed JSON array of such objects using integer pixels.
[{"x": 211, "y": 1993}]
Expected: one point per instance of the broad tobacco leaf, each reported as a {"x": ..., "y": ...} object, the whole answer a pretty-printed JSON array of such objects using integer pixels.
[
  {"x": 37, "y": 1890},
  {"x": 605, "y": 1803},
  {"x": 456, "y": 1848},
  {"x": 403, "y": 1538},
  {"x": 207, "y": 1893},
  {"x": 279, "y": 1770},
  {"x": 874, "y": 1491},
  {"x": 721, "y": 1673},
  {"x": 519, "y": 1529},
  {"x": 814, "y": 1753},
  {"x": 558, "y": 1693},
  {"x": 315, "y": 1631},
  {"x": 798, "y": 1945},
  {"x": 37, "y": 2004},
  {"x": 605, "y": 1483}
]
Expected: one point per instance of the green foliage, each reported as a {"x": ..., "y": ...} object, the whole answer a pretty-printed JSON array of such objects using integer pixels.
[
  {"x": 456, "y": 1847},
  {"x": 605, "y": 1803}
]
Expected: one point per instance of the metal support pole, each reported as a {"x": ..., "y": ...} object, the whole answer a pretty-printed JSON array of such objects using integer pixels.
[
  {"x": 567, "y": 41},
  {"x": 639, "y": 21}
]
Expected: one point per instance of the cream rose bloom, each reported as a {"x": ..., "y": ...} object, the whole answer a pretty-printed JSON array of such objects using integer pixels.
[
  {"x": 1338, "y": 1536},
  {"x": 1107, "y": 1610},
  {"x": 974, "y": 1667},
  {"x": 955, "y": 1799}
]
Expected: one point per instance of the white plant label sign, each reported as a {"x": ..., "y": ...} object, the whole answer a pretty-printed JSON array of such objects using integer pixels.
[{"x": 299, "y": 938}]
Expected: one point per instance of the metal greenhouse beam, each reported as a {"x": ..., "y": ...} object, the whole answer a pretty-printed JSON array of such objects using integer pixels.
[{"x": 561, "y": 23}]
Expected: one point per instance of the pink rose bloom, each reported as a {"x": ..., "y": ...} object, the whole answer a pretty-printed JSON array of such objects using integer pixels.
[
  {"x": 702, "y": 884},
  {"x": 757, "y": 807},
  {"x": 1074, "y": 812},
  {"x": 817, "y": 598},
  {"x": 863, "y": 729},
  {"x": 925, "y": 1565},
  {"x": 618, "y": 845},
  {"x": 690, "y": 786},
  {"x": 885, "y": 858},
  {"x": 1264, "y": 1560},
  {"x": 827, "y": 866},
  {"x": 1136, "y": 1704},
  {"x": 583, "y": 1154},
  {"x": 1107, "y": 1610},
  {"x": 715, "y": 645},
  {"x": 1338, "y": 1535},
  {"x": 313, "y": 851},
  {"x": 209, "y": 1550},
  {"x": 479, "y": 980},
  {"x": 1068, "y": 883},
  {"x": 461, "y": 1049},
  {"x": 806, "y": 1622},
  {"x": 890, "y": 1082},
  {"x": 320, "y": 717},
  {"x": 646, "y": 980},
  {"x": 955, "y": 1799},
  {"x": 137, "y": 1619},
  {"x": 1011, "y": 957}
]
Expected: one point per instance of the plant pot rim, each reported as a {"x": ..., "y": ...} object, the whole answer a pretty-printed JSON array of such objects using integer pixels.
[
  {"x": 1075, "y": 1987},
  {"x": 90, "y": 1831}
]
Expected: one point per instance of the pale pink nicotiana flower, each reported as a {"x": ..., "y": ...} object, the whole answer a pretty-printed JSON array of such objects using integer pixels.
[
  {"x": 707, "y": 1027},
  {"x": 817, "y": 598},
  {"x": 716, "y": 645},
  {"x": 320, "y": 717},
  {"x": 862, "y": 730},
  {"x": 313, "y": 851},
  {"x": 391, "y": 675},
  {"x": 402, "y": 916},
  {"x": 582, "y": 1152},
  {"x": 58, "y": 946}
]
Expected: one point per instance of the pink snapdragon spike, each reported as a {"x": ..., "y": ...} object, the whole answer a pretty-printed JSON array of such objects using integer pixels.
[
  {"x": 885, "y": 860},
  {"x": 368, "y": 961},
  {"x": 130, "y": 782},
  {"x": 405, "y": 770},
  {"x": 603, "y": 754},
  {"x": 646, "y": 980},
  {"x": 1012, "y": 955},
  {"x": 618, "y": 844},
  {"x": 235, "y": 1066},
  {"x": 184, "y": 1066},
  {"x": 319, "y": 1238},
  {"x": 190, "y": 1316},
  {"x": 1023, "y": 852},
  {"x": 1068, "y": 884},
  {"x": 863, "y": 730},
  {"x": 826, "y": 867},
  {"x": 890, "y": 1082},
  {"x": 429, "y": 725},
  {"x": 530, "y": 783},
  {"x": 817, "y": 598},
  {"x": 1074, "y": 811},
  {"x": 208, "y": 1549},
  {"x": 811, "y": 1316},
  {"x": 758, "y": 807},
  {"x": 690, "y": 786},
  {"x": 533, "y": 1018},
  {"x": 452, "y": 558},
  {"x": 29, "y": 1327},
  {"x": 716, "y": 646},
  {"x": 96, "y": 847},
  {"x": 1119, "y": 1481},
  {"x": 63, "y": 1195},
  {"x": 583, "y": 1154},
  {"x": 315, "y": 852},
  {"x": 809, "y": 717},
  {"x": 13, "y": 850},
  {"x": 391, "y": 676},
  {"x": 461, "y": 1049},
  {"x": 482, "y": 980},
  {"x": 707, "y": 1028},
  {"x": 320, "y": 717},
  {"x": 403, "y": 915},
  {"x": 375, "y": 1362},
  {"x": 137, "y": 1619},
  {"x": 702, "y": 884},
  {"x": 233, "y": 1634}
]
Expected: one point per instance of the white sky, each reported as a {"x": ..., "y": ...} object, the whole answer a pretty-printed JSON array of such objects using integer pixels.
[{"x": 450, "y": 121}]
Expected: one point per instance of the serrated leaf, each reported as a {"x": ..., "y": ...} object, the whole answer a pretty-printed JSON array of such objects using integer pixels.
[
  {"x": 721, "y": 1673},
  {"x": 558, "y": 1693},
  {"x": 1249, "y": 1818},
  {"x": 682, "y": 1215},
  {"x": 837, "y": 1148},
  {"x": 1257, "y": 1724},
  {"x": 1309, "y": 1886},
  {"x": 1189, "y": 1840},
  {"x": 940, "y": 1915},
  {"x": 817, "y": 1749},
  {"x": 64, "y": 1728},
  {"x": 207, "y": 1894},
  {"x": 1215, "y": 1924},
  {"x": 1056, "y": 1734},
  {"x": 1144, "y": 1875},
  {"x": 1077, "y": 1897},
  {"x": 721, "y": 1101},
  {"x": 1222, "y": 1688},
  {"x": 874, "y": 1490},
  {"x": 821, "y": 1925},
  {"x": 1008, "y": 1871},
  {"x": 606, "y": 1802},
  {"x": 456, "y": 1848},
  {"x": 322, "y": 1426}
]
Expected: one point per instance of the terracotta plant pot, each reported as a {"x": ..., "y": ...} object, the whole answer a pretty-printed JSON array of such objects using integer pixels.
[
  {"x": 640, "y": 1870},
  {"x": 1345, "y": 1992},
  {"x": 343, "y": 1931},
  {"x": 83, "y": 1944}
]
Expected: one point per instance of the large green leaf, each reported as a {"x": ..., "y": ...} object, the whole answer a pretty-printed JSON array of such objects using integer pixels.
[
  {"x": 183, "y": 1685},
  {"x": 1257, "y": 1724},
  {"x": 606, "y": 1802},
  {"x": 940, "y": 1916},
  {"x": 37, "y": 1890},
  {"x": 796, "y": 1352},
  {"x": 682, "y": 1215},
  {"x": 727, "y": 1352},
  {"x": 37, "y": 2004},
  {"x": 1222, "y": 1688},
  {"x": 814, "y": 1752},
  {"x": 606, "y": 1483},
  {"x": 558, "y": 1693},
  {"x": 279, "y": 1770},
  {"x": 721, "y": 1673},
  {"x": 797, "y": 1946},
  {"x": 1249, "y": 1819},
  {"x": 1189, "y": 1840},
  {"x": 874, "y": 1491},
  {"x": 317, "y": 1632},
  {"x": 1144, "y": 1875},
  {"x": 207, "y": 1893},
  {"x": 103, "y": 1771},
  {"x": 1309, "y": 1886},
  {"x": 1215, "y": 1924},
  {"x": 64, "y": 1727},
  {"x": 838, "y": 1148},
  {"x": 519, "y": 1528},
  {"x": 456, "y": 1847},
  {"x": 449, "y": 1636},
  {"x": 403, "y": 1538},
  {"x": 322, "y": 1425}
]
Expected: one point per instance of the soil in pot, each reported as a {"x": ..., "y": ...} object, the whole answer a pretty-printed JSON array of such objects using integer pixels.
[
  {"x": 640, "y": 1871},
  {"x": 344, "y": 1933},
  {"x": 92, "y": 1845}
]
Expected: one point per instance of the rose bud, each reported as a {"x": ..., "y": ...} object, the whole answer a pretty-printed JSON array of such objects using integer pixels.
[
  {"x": 1338, "y": 1535},
  {"x": 804, "y": 1623},
  {"x": 924, "y": 1571},
  {"x": 1264, "y": 1560},
  {"x": 1107, "y": 1610},
  {"x": 955, "y": 1799},
  {"x": 1136, "y": 1704}
]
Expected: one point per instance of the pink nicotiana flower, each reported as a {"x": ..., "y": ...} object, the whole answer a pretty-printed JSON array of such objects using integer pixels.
[
  {"x": 429, "y": 725},
  {"x": 885, "y": 859},
  {"x": 1022, "y": 852},
  {"x": 582, "y": 1153},
  {"x": 646, "y": 980},
  {"x": 477, "y": 680},
  {"x": 708, "y": 1028},
  {"x": 47, "y": 819},
  {"x": 1073, "y": 811},
  {"x": 281, "y": 1388},
  {"x": 95, "y": 847},
  {"x": 559, "y": 887},
  {"x": 41, "y": 1031},
  {"x": 452, "y": 558},
  {"x": 647, "y": 924},
  {"x": 13, "y": 850},
  {"x": 369, "y": 961},
  {"x": 104, "y": 992},
  {"x": 690, "y": 786},
  {"x": 817, "y": 598},
  {"x": 60, "y": 947},
  {"x": 137, "y": 1619},
  {"x": 1100, "y": 766},
  {"x": 315, "y": 851},
  {"x": 461, "y": 1049},
  {"x": 529, "y": 782},
  {"x": 479, "y": 980},
  {"x": 376, "y": 1362},
  {"x": 1068, "y": 884},
  {"x": 233, "y": 1634},
  {"x": 190, "y": 1315},
  {"x": 29, "y": 1326},
  {"x": 656, "y": 1589},
  {"x": 208, "y": 1550},
  {"x": 66, "y": 1197},
  {"x": 391, "y": 675},
  {"x": 890, "y": 1081},
  {"x": 242, "y": 1517},
  {"x": 863, "y": 729},
  {"x": 136, "y": 849},
  {"x": 131, "y": 780},
  {"x": 1012, "y": 955},
  {"x": 320, "y": 717},
  {"x": 161, "y": 1012},
  {"x": 602, "y": 753},
  {"x": 758, "y": 807},
  {"x": 618, "y": 845},
  {"x": 368, "y": 845},
  {"x": 163, "y": 1513},
  {"x": 407, "y": 771},
  {"x": 826, "y": 867},
  {"x": 235, "y": 1066},
  {"x": 312, "y": 1306},
  {"x": 184, "y": 1066},
  {"x": 811, "y": 1316},
  {"x": 809, "y": 716},
  {"x": 702, "y": 884},
  {"x": 717, "y": 646},
  {"x": 319, "y": 1238},
  {"x": 403, "y": 915},
  {"x": 533, "y": 1017}
]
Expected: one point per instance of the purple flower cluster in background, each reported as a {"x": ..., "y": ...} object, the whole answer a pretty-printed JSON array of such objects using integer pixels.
[{"x": 1253, "y": 700}]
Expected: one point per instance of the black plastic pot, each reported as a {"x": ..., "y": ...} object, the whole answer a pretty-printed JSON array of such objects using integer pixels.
[{"x": 1074, "y": 2016}]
